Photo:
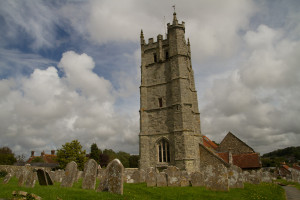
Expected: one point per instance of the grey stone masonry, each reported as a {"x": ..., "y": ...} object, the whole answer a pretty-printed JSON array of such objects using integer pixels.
[
  {"x": 161, "y": 179},
  {"x": 90, "y": 174},
  {"x": 235, "y": 177},
  {"x": 216, "y": 177},
  {"x": 7, "y": 178},
  {"x": 169, "y": 115},
  {"x": 173, "y": 176},
  {"x": 151, "y": 178}
]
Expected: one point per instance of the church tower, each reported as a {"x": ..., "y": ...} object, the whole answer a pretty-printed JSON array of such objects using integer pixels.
[{"x": 169, "y": 115}]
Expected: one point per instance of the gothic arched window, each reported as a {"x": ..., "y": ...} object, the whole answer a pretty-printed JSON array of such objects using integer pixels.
[{"x": 163, "y": 151}]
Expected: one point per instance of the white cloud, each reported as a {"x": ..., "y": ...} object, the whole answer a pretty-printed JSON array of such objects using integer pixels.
[{"x": 46, "y": 109}]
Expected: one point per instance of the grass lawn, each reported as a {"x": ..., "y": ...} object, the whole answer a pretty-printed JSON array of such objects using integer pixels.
[
  {"x": 285, "y": 182},
  {"x": 262, "y": 191}
]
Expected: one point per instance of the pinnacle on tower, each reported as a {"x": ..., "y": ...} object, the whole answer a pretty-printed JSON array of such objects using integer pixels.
[{"x": 175, "y": 21}]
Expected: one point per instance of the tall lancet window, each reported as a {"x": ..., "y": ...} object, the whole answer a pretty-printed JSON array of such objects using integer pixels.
[{"x": 163, "y": 151}]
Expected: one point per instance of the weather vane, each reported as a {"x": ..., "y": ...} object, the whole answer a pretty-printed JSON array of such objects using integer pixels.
[{"x": 174, "y": 7}]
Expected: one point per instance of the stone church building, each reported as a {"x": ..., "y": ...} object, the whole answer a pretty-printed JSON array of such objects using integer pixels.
[{"x": 170, "y": 131}]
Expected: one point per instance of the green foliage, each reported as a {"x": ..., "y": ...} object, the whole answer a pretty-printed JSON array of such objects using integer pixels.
[
  {"x": 289, "y": 155},
  {"x": 3, "y": 173},
  {"x": 6, "y": 156},
  {"x": 124, "y": 158},
  {"x": 37, "y": 160},
  {"x": 265, "y": 191},
  {"x": 134, "y": 161},
  {"x": 95, "y": 153},
  {"x": 71, "y": 152}
]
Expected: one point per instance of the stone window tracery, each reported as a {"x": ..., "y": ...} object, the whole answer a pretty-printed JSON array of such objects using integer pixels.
[{"x": 163, "y": 151}]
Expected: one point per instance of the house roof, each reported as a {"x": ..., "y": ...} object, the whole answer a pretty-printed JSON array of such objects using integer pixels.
[
  {"x": 48, "y": 158},
  {"x": 244, "y": 161},
  {"x": 297, "y": 167},
  {"x": 208, "y": 143}
]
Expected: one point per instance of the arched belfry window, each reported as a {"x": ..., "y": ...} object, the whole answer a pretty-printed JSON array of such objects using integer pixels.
[{"x": 163, "y": 148}]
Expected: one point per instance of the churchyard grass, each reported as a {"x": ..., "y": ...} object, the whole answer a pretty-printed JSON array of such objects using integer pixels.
[
  {"x": 285, "y": 182},
  {"x": 262, "y": 191}
]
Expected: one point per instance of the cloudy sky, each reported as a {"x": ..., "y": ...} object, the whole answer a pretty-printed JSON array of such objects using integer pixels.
[{"x": 71, "y": 70}]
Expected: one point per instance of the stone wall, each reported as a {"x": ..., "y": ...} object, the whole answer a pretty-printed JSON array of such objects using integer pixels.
[
  {"x": 207, "y": 158},
  {"x": 235, "y": 144},
  {"x": 16, "y": 169}
]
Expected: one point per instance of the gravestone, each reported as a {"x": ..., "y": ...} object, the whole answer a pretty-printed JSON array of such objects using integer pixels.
[
  {"x": 197, "y": 179},
  {"x": 44, "y": 178},
  {"x": 216, "y": 177},
  {"x": 235, "y": 177},
  {"x": 24, "y": 172},
  {"x": 103, "y": 185},
  {"x": 90, "y": 174},
  {"x": 266, "y": 177},
  {"x": 142, "y": 176},
  {"x": 151, "y": 178},
  {"x": 161, "y": 179},
  {"x": 185, "y": 179},
  {"x": 173, "y": 176},
  {"x": 31, "y": 179},
  {"x": 7, "y": 178},
  {"x": 115, "y": 172},
  {"x": 70, "y": 175}
]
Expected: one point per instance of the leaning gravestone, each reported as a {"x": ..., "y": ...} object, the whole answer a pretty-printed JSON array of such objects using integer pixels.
[
  {"x": 31, "y": 179},
  {"x": 25, "y": 171},
  {"x": 7, "y": 178},
  {"x": 216, "y": 177},
  {"x": 197, "y": 179},
  {"x": 90, "y": 174},
  {"x": 161, "y": 179},
  {"x": 70, "y": 175},
  {"x": 151, "y": 178},
  {"x": 235, "y": 177},
  {"x": 173, "y": 176},
  {"x": 44, "y": 178},
  {"x": 115, "y": 173}
]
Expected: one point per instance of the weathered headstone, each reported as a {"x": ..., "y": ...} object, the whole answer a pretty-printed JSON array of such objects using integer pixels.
[
  {"x": 90, "y": 174},
  {"x": 80, "y": 174},
  {"x": 25, "y": 171},
  {"x": 103, "y": 185},
  {"x": 142, "y": 176},
  {"x": 173, "y": 176},
  {"x": 31, "y": 179},
  {"x": 185, "y": 179},
  {"x": 197, "y": 179},
  {"x": 137, "y": 176},
  {"x": 235, "y": 177},
  {"x": 216, "y": 177},
  {"x": 7, "y": 178},
  {"x": 161, "y": 179},
  {"x": 115, "y": 172},
  {"x": 44, "y": 178},
  {"x": 151, "y": 178},
  {"x": 70, "y": 175}
]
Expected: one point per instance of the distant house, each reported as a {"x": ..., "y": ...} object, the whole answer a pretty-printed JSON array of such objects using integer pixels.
[
  {"x": 234, "y": 151},
  {"x": 48, "y": 160}
]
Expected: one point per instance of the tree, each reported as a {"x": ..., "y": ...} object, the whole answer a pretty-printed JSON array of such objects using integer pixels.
[
  {"x": 134, "y": 161},
  {"x": 7, "y": 157},
  {"x": 37, "y": 160},
  {"x": 71, "y": 152},
  {"x": 95, "y": 153},
  {"x": 104, "y": 160},
  {"x": 124, "y": 158}
]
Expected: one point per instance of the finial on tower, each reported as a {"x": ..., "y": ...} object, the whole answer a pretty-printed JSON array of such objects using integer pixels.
[{"x": 175, "y": 21}]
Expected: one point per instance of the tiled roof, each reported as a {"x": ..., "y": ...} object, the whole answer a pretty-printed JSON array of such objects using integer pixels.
[
  {"x": 244, "y": 161},
  {"x": 296, "y": 167},
  {"x": 48, "y": 158},
  {"x": 285, "y": 167},
  {"x": 208, "y": 143}
]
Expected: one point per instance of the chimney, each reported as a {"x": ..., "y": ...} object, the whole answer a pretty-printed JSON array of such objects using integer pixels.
[
  {"x": 230, "y": 156},
  {"x": 52, "y": 152},
  {"x": 32, "y": 153},
  {"x": 42, "y": 153}
]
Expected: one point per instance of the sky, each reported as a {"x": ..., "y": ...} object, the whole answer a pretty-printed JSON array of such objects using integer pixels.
[{"x": 71, "y": 70}]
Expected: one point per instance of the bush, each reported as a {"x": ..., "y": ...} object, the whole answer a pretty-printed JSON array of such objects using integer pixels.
[{"x": 3, "y": 173}]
